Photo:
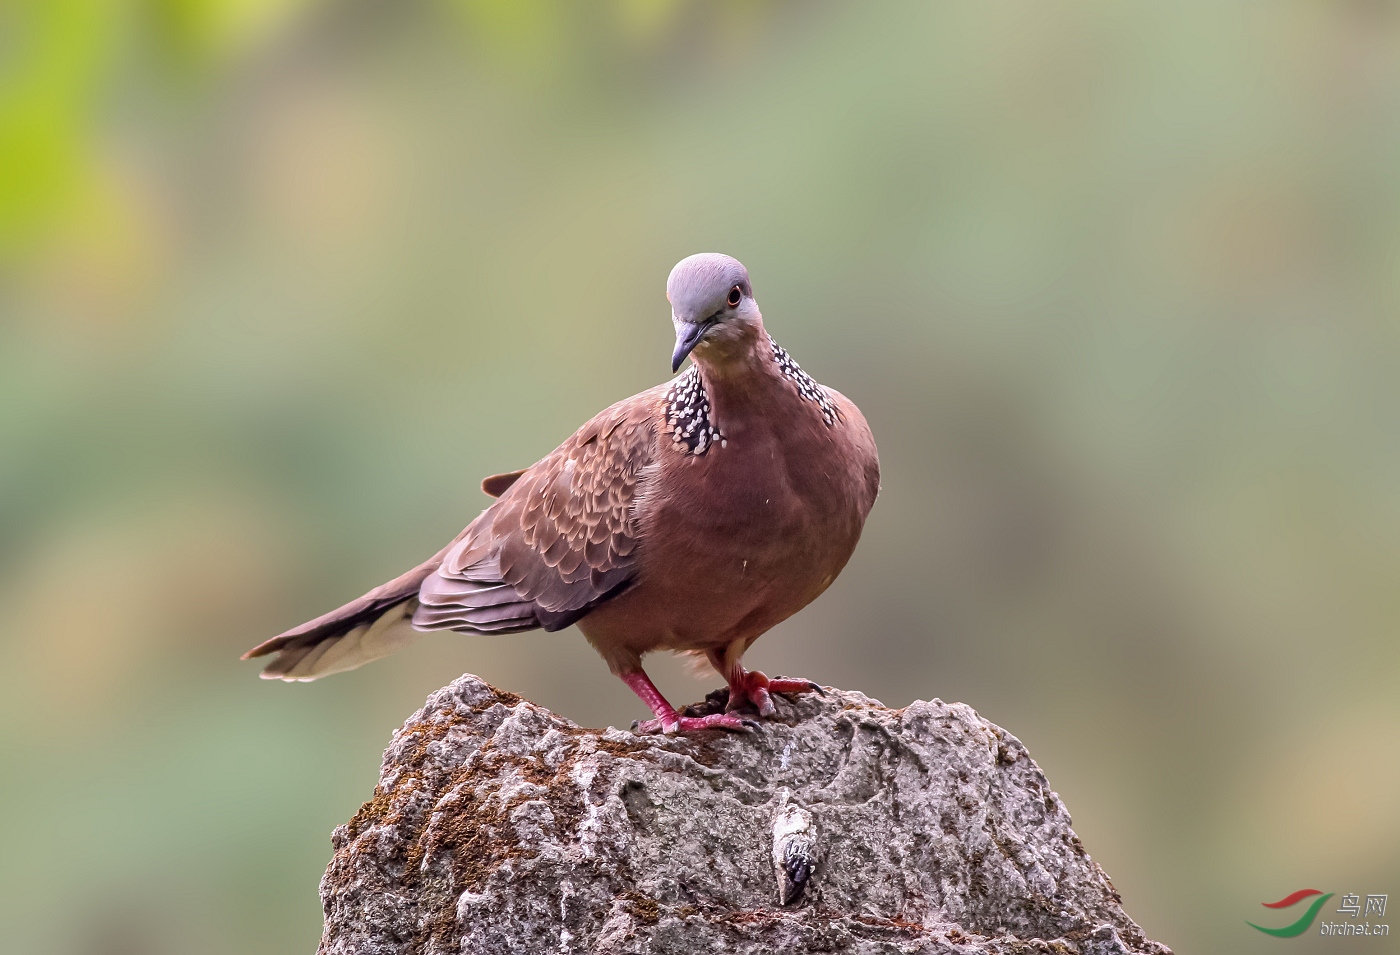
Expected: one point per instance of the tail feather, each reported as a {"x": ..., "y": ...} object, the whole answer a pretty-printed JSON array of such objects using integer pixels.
[
  {"x": 392, "y": 616},
  {"x": 336, "y": 652},
  {"x": 365, "y": 629}
]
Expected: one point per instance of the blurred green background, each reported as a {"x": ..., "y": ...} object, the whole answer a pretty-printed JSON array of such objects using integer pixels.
[{"x": 1117, "y": 285}]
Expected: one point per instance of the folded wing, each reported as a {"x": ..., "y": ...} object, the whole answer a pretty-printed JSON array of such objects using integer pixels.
[{"x": 561, "y": 539}]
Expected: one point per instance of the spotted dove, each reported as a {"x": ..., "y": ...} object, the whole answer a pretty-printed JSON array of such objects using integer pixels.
[{"x": 691, "y": 517}]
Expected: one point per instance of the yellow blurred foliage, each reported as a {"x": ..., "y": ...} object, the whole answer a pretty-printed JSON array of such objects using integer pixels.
[{"x": 115, "y": 599}]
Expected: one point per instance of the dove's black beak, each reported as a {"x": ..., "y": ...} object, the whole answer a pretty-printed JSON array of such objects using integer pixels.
[{"x": 688, "y": 335}]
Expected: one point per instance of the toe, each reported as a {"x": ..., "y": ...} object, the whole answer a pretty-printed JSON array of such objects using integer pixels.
[
  {"x": 715, "y": 721},
  {"x": 784, "y": 684},
  {"x": 654, "y": 728},
  {"x": 764, "y": 702}
]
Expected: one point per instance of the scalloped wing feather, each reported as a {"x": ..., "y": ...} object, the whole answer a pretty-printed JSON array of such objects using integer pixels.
[{"x": 561, "y": 539}]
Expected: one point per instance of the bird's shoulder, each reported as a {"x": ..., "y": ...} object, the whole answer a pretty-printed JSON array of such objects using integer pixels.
[
  {"x": 620, "y": 439},
  {"x": 593, "y": 471},
  {"x": 563, "y": 533}
]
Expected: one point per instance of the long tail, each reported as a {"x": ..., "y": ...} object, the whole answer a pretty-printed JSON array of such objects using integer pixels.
[
  {"x": 373, "y": 626},
  {"x": 390, "y": 616}
]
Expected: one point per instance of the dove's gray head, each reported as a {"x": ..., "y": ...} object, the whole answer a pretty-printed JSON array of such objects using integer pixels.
[{"x": 712, "y": 304}]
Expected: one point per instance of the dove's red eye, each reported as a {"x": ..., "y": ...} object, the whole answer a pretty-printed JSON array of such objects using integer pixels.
[{"x": 736, "y": 296}]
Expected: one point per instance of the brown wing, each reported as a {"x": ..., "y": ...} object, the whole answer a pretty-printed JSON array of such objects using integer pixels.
[{"x": 561, "y": 538}]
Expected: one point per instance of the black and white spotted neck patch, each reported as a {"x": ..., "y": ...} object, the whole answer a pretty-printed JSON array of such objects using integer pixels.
[
  {"x": 688, "y": 415},
  {"x": 807, "y": 386}
]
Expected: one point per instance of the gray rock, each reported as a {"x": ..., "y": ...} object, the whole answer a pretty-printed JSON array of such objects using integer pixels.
[{"x": 841, "y": 826}]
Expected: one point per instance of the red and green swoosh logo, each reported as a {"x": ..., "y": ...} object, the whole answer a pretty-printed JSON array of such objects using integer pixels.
[{"x": 1304, "y": 923}]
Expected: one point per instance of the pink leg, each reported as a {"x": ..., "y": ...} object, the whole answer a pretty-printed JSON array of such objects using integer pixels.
[
  {"x": 670, "y": 722},
  {"x": 752, "y": 686}
]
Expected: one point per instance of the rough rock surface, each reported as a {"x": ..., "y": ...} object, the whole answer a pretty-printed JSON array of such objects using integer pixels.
[{"x": 841, "y": 826}]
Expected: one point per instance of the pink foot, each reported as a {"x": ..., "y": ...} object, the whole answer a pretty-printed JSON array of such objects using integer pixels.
[
  {"x": 670, "y": 722},
  {"x": 751, "y": 686},
  {"x": 691, "y": 724}
]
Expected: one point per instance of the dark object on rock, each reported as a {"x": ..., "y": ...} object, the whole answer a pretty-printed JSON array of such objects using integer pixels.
[{"x": 842, "y": 826}]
